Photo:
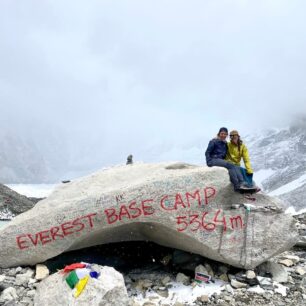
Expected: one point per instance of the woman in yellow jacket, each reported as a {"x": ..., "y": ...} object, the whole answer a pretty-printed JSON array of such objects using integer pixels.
[{"x": 237, "y": 150}]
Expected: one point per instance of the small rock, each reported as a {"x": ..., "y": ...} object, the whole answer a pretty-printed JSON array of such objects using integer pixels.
[
  {"x": 279, "y": 273},
  {"x": 149, "y": 304},
  {"x": 250, "y": 274},
  {"x": 23, "y": 279},
  {"x": 286, "y": 262},
  {"x": 223, "y": 277},
  {"x": 202, "y": 269},
  {"x": 166, "y": 280},
  {"x": 300, "y": 271},
  {"x": 11, "y": 272},
  {"x": 295, "y": 259},
  {"x": 209, "y": 270},
  {"x": 9, "y": 294},
  {"x": 41, "y": 272},
  {"x": 143, "y": 284},
  {"x": 18, "y": 269},
  {"x": 182, "y": 278},
  {"x": 2, "y": 278},
  {"x": 229, "y": 289},
  {"x": 163, "y": 293},
  {"x": 227, "y": 298},
  {"x": 236, "y": 284},
  {"x": 304, "y": 296},
  {"x": 203, "y": 298},
  {"x": 178, "y": 304}
]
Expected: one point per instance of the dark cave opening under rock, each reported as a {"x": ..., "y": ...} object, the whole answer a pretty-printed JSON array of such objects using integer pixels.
[{"x": 143, "y": 256}]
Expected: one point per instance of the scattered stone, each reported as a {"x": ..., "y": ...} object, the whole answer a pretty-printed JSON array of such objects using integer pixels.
[
  {"x": 229, "y": 289},
  {"x": 286, "y": 262},
  {"x": 23, "y": 279},
  {"x": 300, "y": 271},
  {"x": 145, "y": 284},
  {"x": 166, "y": 280},
  {"x": 9, "y": 294},
  {"x": 163, "y": 293},
  {"x": 41, "y": 272},
  {"x": 224, "y": 277},
  {"x": 178, "y": 304},
  {"x": 250, "y": 274},
  {"x": 18, "y": 269},
  {"x": 201, "y": 269},
  {"x": 203, "y": 298},
  {"x": 2, "y": 278},
  {"x": 278, "y": 272},
  {"x": 182, "y": 278},
  {"x": 235, "y": 284},
  {"x": 295, "y": 259}
]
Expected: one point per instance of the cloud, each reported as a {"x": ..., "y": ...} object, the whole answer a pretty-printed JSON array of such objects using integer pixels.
[{"x": 116, "y": 76}]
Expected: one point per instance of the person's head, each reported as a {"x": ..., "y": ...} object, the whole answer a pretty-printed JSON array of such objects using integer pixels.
[
  {"x": 222, "y": 134},
  {"x": 234, "y": 136}
]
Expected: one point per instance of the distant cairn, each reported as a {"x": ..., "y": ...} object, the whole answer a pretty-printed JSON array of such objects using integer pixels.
[{"x": 129, "y": 160}]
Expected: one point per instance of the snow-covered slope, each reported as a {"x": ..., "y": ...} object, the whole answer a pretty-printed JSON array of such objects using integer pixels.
[{"x": 279, "y": 161}]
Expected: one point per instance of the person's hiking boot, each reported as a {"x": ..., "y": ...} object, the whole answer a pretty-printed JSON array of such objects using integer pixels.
[{"x": 244, "y": 186}]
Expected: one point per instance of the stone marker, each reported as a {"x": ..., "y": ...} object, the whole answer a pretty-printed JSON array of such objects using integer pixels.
[
  {"x": 108, "y": 289},
  {"x": 176, "y": 205}
]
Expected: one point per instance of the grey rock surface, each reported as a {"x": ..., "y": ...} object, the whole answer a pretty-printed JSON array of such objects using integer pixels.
[
  {"x": 188, "y": 208},
  {"x": 109, "y": 289},
  {"x": 12, "y": 203}
]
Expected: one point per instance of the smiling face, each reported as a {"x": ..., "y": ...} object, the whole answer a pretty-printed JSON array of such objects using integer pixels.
[
  {"x": 223, "y": 135},
  {"x": 234, "y": 138}
]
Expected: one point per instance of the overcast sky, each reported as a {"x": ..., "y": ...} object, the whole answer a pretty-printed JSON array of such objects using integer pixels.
[{"x": 139, "y": 74}]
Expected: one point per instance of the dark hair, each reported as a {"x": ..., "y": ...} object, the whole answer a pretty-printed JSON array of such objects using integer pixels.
[{"x": 223, "y": 129}]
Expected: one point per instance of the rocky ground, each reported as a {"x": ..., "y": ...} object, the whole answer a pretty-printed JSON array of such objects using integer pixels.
[{"x": 281, "y": 281}]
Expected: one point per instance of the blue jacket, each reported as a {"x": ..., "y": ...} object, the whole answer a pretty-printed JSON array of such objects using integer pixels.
[{"x": 216, "y": 149}]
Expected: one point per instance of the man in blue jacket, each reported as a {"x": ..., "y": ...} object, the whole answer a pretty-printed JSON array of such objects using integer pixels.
[{"x": 215, "y": 155}]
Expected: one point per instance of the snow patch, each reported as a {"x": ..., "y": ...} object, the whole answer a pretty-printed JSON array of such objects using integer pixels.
[
  {"x": 261, "y": 175},
  {"x": 289, "y": 187},
  {"x": 183, "y": 294}
]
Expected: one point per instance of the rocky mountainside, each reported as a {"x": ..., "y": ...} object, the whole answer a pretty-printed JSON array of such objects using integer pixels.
[{"x": 279, "y": 160}]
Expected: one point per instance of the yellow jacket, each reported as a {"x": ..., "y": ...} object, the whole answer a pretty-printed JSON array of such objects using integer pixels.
[{"x": 234, "y": 156}]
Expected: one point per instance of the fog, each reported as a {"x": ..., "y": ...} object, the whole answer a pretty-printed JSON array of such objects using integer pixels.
[{"x": 103, "y": 79}]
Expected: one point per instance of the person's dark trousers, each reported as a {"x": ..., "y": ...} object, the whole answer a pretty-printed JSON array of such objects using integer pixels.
[{"x": 235, "y": 174}]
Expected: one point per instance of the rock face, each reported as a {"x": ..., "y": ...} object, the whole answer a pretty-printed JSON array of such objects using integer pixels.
[
  {"x": 181, "y": 206},
  {"x": 12, "y": 203},
  {"x": 280, "y": 154},
  {"x": 108, "y": 289}
]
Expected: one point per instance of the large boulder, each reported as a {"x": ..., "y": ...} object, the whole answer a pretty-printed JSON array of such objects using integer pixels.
[
  {"x": 186, "y": 207},
  {"x": 109, "y": 289}
]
